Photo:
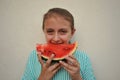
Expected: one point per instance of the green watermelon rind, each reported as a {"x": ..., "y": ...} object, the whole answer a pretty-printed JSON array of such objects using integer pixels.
[{"x": 45, "y": 59}]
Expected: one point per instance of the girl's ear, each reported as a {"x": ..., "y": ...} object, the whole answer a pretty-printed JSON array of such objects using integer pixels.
[{"x": 73, "y": 31}]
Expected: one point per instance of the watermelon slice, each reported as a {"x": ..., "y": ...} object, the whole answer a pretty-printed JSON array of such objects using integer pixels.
[{"x": 60, "y": 51}]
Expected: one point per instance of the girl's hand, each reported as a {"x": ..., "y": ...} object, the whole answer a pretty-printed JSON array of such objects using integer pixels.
[
  {"x": 72, "y": 66},
  {"x": 48, "y": 70}
]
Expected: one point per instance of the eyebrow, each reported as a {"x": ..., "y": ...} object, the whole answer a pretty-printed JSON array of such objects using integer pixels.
[{"x": 49, "y": 29}]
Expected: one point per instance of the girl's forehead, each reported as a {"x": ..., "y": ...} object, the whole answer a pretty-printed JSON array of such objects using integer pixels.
[
  {"x": 56, "y": 17},
  {"x": 56, "y": 24},
  {"x": 56, "y": 21}
]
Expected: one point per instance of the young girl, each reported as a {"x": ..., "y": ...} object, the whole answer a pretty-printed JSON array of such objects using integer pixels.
[{"x": 58, "y": 27}]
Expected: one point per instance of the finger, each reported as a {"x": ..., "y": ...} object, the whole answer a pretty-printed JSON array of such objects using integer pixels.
[
  {"x": 69, "y": 68},
  {"x": 72, "y": 57},
  {"x": 72, "y": 60},
  {"x": 66, "y": 66},
  {"x": 56, "y": 67},
  {"x": 40, "y": 58},
  {"x": 69, "y": 59},
  {"x": 49, "y": 60}
]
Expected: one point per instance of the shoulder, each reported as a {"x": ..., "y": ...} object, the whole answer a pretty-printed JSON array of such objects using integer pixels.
[
  {"x": 33, "y": 53},
  {"x": 32, "y": 56},
  {"x": 81, "y": 54}
]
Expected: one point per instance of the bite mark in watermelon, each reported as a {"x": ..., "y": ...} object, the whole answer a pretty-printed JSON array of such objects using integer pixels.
[{"x": 60, "y": 51}]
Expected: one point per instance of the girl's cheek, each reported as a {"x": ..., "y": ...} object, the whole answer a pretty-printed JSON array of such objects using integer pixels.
[
  {"x": 48, "y": 37},
  {"x": 65, "y": 38}
]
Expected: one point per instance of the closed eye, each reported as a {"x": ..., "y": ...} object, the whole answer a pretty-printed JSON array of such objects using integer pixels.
[
  {"x": 63, "y": 31},
  {"x": 50, "y": 31}
]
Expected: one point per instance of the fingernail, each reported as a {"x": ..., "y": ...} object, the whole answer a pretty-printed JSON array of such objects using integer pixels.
[
  {"x": 39, "y": 53},
  {"x": 52, "y": 55},
  {"x": 60, "y": 61}
]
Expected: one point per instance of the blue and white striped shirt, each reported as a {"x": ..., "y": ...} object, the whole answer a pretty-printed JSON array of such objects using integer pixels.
[{"x": 33, "y": 68}]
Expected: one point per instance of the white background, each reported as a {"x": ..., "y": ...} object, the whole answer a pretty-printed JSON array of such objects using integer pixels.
[{"x": 98, "y": 32}]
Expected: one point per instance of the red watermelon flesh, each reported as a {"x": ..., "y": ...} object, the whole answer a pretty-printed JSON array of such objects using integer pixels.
[{"x": 60, "y": 51}]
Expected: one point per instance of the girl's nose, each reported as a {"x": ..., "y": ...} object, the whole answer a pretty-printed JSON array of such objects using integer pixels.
[{"x": 56, "y": 39}]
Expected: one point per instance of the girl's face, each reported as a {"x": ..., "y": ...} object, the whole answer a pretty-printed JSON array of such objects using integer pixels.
[{"x": 57, "y": 30}]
